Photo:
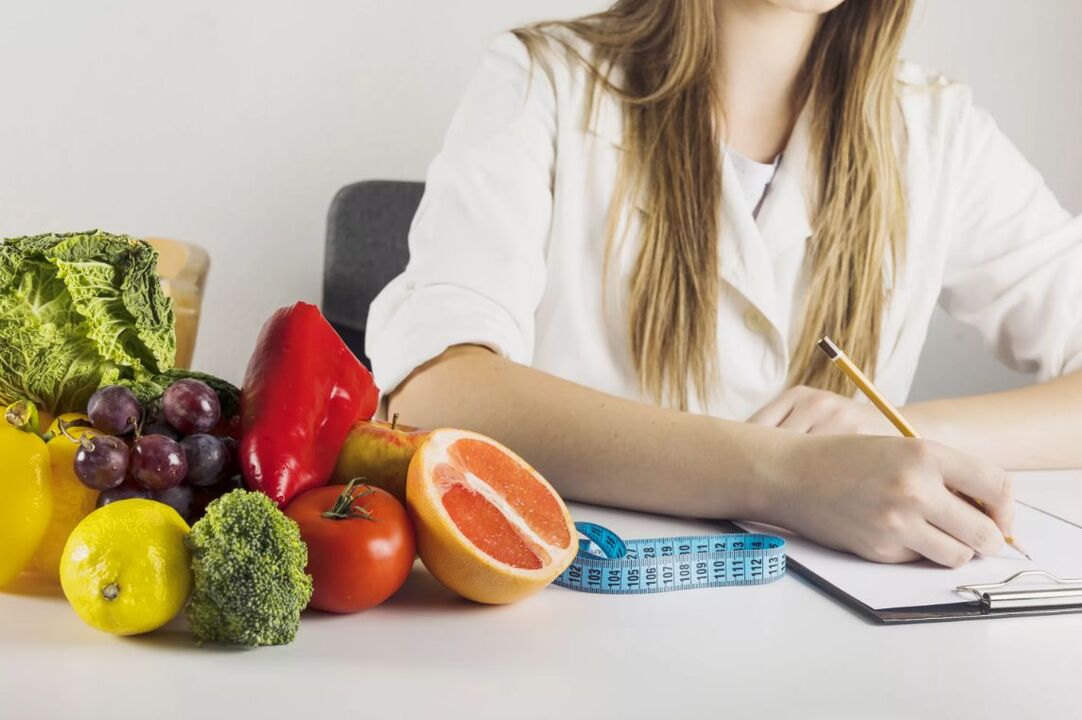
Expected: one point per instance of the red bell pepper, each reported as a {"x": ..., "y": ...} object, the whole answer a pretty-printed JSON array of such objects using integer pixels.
[{"x": 303, "y": 391}]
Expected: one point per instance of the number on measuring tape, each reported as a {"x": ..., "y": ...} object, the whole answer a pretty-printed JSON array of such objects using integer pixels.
[{"x": 607, "y": 564}]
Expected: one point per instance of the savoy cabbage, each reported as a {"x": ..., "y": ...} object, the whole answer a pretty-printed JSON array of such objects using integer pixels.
[{"x": 78, "y": 310}]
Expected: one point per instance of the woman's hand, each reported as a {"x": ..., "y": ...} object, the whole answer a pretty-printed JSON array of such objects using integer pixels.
[
  {"x": 890, "y": 499},
  {"x": 820, "y": 412}
]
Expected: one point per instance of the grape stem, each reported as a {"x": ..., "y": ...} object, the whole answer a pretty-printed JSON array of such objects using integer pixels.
[
  {"x": 83, "y": 440},
  {"x": 61, "y": 423},
  {"x": 343, "y": 505}
]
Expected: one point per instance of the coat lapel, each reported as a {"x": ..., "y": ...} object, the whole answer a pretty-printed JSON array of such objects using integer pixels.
[
  {"x": 747, "y": 246},
  {"x": 785, "y": 217}
]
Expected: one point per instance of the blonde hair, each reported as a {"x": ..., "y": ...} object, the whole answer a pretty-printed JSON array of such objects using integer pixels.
[{"x": 667, "y": 54}]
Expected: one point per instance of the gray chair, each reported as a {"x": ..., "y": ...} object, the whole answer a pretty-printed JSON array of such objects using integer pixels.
[{"x": 367, "y": 228}]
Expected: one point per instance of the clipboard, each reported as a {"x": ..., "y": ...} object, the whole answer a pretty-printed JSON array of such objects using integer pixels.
[
  {"x": 983, "y": 589},
  {"x": 1007, "y": 598}
]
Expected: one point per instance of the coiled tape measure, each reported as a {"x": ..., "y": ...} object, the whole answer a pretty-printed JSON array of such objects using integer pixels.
[{"x": 609, "y": 565}]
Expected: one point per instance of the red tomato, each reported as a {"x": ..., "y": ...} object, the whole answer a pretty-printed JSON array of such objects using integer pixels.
[{"x": 360, "y": 545}]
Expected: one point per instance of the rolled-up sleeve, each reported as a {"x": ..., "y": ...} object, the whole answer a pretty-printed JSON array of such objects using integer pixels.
[
  {"x": 1015, "y": 268},
  {"x": 476, "y": 271}
]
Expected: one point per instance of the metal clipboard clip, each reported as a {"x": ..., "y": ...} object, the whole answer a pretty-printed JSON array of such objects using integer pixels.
[{"x": 1001, "y": 596}]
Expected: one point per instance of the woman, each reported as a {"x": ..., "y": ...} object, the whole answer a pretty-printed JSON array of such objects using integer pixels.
[{"x": 642, "y": 221}]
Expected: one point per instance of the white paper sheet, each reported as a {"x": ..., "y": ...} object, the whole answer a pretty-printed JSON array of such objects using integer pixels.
[
  {"x": 1054, "y": 491},
  {"x": 1056, "y": 547}
]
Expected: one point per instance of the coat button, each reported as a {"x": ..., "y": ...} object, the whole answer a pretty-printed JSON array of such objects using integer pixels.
[{"x": 755, "y": 321}]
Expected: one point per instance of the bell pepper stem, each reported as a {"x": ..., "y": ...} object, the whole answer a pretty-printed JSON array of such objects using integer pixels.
[{"x": 23, "y": 415}]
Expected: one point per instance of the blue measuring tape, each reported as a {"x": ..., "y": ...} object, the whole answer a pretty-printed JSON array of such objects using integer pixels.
[{"x": 609, "y": 565}]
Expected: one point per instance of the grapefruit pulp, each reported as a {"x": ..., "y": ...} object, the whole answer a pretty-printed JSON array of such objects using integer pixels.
[{"x": 488, "y": 525}]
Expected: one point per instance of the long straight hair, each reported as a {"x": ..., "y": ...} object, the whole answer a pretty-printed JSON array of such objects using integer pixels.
[{"x": 665, "y": 55}]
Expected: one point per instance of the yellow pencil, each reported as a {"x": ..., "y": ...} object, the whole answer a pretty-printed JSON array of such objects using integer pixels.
[{"x": 842, "y": 361}]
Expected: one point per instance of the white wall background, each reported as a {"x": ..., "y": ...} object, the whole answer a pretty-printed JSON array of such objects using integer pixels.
[{"x": 231, "y": 123}]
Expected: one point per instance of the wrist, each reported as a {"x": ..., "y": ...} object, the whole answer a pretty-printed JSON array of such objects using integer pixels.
[
  {"x": 776, "y": 466},
  {"x": 930, "y": 422}
]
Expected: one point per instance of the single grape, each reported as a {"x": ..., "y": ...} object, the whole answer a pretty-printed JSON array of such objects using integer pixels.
[
  {"x": 191, "y": 406},
  {"x": 114, "y": 410},
  {"x": 158, "y": 462},
  {"x": 161, "y": 427},
  {"x": 206, "y": 457},
  {"x": 229, "y": 483},
  {"x": 201, "y": 497},
  {"x": 101, "y": 462},
  {"x": 179, "y": 498},
  {"x": 126, "y": 491},
  {"x": 232, "y": 460}
]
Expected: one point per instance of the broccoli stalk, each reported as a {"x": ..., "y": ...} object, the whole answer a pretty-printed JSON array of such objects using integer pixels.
[{"x": 248, "y": 563}]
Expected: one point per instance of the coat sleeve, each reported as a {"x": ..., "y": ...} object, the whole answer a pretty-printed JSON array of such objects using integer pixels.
[
  {"x": 477, "y": 244},
  {"x": 1014, "y": 271}
]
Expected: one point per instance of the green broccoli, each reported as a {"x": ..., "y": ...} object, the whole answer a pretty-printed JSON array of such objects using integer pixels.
[{"x": 248, "y": 563}]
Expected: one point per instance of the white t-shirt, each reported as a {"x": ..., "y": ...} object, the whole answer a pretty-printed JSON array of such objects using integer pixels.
[
  {"x": 755, "y": 177},
  {"x": 507, "y": 246}
]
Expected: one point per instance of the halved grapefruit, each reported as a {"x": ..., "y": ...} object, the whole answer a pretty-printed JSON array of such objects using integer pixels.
[{"x": 488, "y": 525}]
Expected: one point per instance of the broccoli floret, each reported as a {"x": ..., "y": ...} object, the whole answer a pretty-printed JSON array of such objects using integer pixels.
[{"x": 248, "y": 563}]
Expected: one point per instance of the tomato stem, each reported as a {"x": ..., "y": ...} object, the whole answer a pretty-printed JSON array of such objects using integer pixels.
[{"x": 343, "y": 505}]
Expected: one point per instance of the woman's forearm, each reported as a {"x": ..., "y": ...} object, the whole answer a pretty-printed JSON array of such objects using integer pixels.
[
  {"x": 1039, "y": 426},
  {"x": 594, "y": 447},
  {"x": 889, "y": 499}
]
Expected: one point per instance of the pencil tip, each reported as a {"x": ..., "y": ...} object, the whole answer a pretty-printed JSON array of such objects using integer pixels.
[
  {"x": 827, "y": 346},
  {"x": 1018, "y": 549}
]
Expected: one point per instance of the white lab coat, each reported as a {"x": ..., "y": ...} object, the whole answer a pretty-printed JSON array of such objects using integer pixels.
[{"x": 506, "y": 248}]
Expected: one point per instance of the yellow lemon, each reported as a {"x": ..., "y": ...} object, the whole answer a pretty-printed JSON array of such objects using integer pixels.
[
  {"x": 125, "y": 568},
  {"x": 72, "y": 501}
]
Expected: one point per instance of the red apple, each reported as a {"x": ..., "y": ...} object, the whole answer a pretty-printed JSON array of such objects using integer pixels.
[{"x": 379, "y": 452}]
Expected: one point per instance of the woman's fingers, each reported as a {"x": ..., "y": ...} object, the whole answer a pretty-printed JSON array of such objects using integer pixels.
[
  {"x": 798, "y": 409},
  {"x": 981, "y": 481},
  {"x": 809, "y": 411},
  {"x": 965, "y": 523},
  {"x": 938, "y": 546},
  {"x": 802, "y": 418},
  {"x": 774, "y": 412}
]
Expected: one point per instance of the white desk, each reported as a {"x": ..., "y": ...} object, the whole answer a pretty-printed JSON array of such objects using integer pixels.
[{"x": 781, "y": 650}]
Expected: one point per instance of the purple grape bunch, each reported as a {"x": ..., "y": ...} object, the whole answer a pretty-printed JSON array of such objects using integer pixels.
[{"x": 167, "y": 452}]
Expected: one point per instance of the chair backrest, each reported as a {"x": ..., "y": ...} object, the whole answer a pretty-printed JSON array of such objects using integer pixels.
[{"x": 367, "y": 228}]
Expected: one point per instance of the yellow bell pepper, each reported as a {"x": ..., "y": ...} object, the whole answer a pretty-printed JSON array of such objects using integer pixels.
[
  {"x": 26, "y": 504},
  {"x": 72, "y": 501}
]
